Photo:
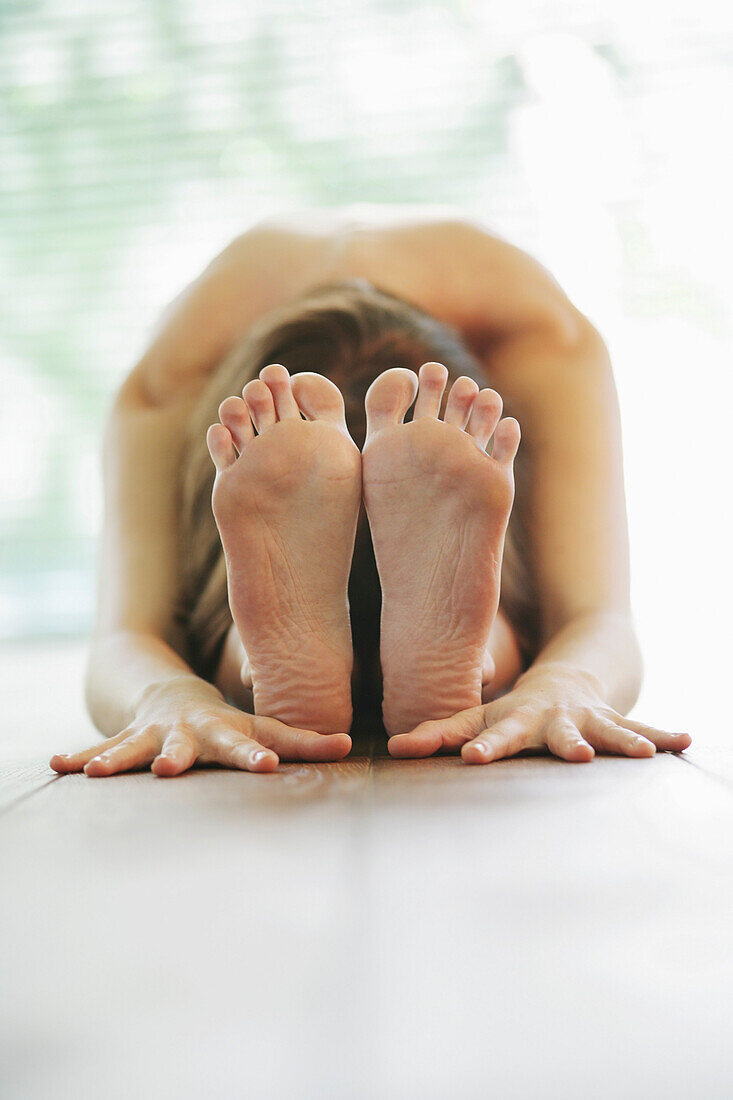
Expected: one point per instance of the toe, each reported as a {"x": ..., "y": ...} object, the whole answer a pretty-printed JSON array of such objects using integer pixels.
[
  {"x": 485, "y": 414},
  {"x": 234, "y": 415},
  {"x": 276, "y": 378},
  {"x": 460, "y": 399},
  {"x": 221, "y": 448},
  {"x": 506, "y": 440},
  {"x": 432, "y": 380},
  {"x": 319, "y": 398},
  {"x": 389, "y": 397},
  {"x": 261, "y": 404}
]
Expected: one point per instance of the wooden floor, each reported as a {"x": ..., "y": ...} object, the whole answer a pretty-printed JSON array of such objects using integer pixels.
[{"x": 375, "y": 929}]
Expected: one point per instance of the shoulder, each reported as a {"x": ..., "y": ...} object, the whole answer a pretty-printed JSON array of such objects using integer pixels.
[{"x": 257, "y": 271}]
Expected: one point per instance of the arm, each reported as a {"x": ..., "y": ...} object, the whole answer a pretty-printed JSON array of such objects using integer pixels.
[
  {"x": 563, "y": 391},
  {"x": 141, "y": 694},
  {"x": 553, "y": 370},
  {"x": 134, "y": 648}
]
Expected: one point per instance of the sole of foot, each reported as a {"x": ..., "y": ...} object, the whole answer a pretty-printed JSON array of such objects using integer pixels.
[
  {"x": 286, "y": 501},
  {"x": 438, "y": 507}
]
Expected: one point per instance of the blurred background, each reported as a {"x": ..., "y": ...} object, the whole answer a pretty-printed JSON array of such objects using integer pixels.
[{"x": 138, "y": 136}]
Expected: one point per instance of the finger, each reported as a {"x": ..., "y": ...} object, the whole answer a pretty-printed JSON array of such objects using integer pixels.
[
  {"x": 234, "y": 415},
  {"x": 135, "y": 751},
  {"x": 292, "y": 743},
  {"x": 443, "y": 733},
  {"x": 74, "y": 762},
  {"x": 221, "y": 448},
  {"x": 663, "y": 739},
  {"x": 485, "y": 413},
  {"x": 177, "y": 755},
  {"x": 563, "y": 739},
  {"x": 460, "y": 400},
  {"x": 608, "y": 737},
  {"x": 424, "y": 740},
  {"x": 506, "y": 440},
  {"x": 233, "y": 750},
  {"x": 277, "y": 379},
  {"x": 509, "y": 736},
  {"x": 432, "y": 379}
]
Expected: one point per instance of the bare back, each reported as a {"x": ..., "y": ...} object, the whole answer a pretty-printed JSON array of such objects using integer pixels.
[
  {"x": 438, "y": 261},
  {"x": 544, "y": 358}
]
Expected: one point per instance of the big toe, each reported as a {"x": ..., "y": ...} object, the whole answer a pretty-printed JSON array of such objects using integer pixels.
[
  {"x": 319, "y": 398},
  {"x": 389, "y": 397}
]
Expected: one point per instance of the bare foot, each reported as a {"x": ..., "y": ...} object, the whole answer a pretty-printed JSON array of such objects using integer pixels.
[
  {"x": 438, "y": 508},
  {"x": 287, "y": 509}
]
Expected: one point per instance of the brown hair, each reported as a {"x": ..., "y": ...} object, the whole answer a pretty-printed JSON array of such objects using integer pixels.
[{"x": 350, "y": 332}]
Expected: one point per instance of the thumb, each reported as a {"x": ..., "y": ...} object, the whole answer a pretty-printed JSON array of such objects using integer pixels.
[{"x": 440, "y": 733}]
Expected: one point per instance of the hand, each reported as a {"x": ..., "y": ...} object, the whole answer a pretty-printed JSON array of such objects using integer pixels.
[
  {"x": 550, "y": 707},
  {"x": 182, "y": 723}
]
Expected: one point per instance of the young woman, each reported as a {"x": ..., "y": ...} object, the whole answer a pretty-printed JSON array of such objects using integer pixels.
[{"x": 238, "y": 628}]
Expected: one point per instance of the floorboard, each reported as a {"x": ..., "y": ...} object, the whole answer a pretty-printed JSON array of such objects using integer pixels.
[
  {"x": 371, "y": 929},
  {"x": 545, "y": 930}
]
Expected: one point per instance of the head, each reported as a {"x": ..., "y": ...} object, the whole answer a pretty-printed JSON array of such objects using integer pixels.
[{"x": 350, "y": 332}]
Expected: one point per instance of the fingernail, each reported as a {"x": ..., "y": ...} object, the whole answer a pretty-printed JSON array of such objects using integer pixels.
[
  {"x": 257, "y": 756},
  {"x": 479, "y": 747}
]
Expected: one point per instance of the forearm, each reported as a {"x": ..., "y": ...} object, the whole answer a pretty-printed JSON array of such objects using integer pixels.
[
  {"x": 126, "y": 666},
  {"x": 572, "y": 493},
  {"x": 604, "y": 646}
]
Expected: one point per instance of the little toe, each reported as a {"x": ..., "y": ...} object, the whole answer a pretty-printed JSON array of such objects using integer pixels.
[
  {"x": 432, "y": 382},
  {"x": 485, "y": 413},
  {"x": 261, "y": 404},
  {"x": 460, "y": 399},
  {"x": 506, "y": 440},
  {"x": 319, "y": 398},
  {"x": 234, "y": 415},
  {"x": 277, "y": 379},
  {"x": 221, "y": 448},
  {"x": 389, "y": 397}
]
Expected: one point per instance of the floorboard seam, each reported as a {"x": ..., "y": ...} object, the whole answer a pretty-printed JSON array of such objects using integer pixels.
[
  {"x": 719, "y": 779},
  {"x": 6, "y": 807}
]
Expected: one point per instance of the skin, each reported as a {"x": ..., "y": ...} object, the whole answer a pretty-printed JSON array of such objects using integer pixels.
[
  {"x": 286, "y": 501},
  {"x": 549, "y": 364}
]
